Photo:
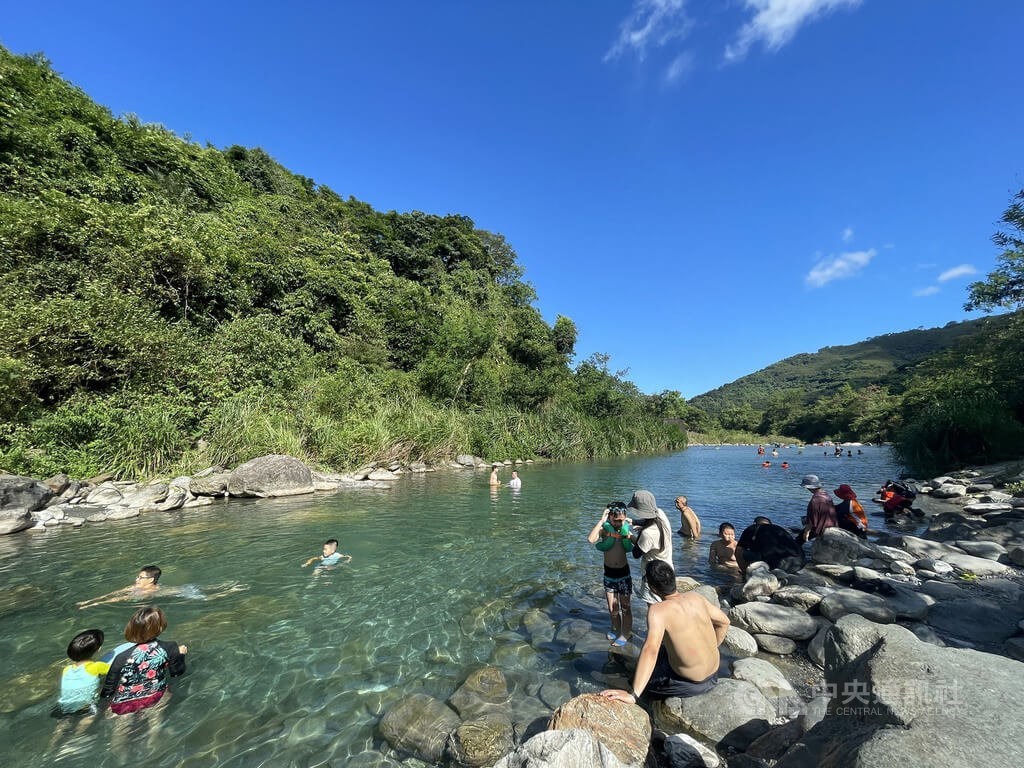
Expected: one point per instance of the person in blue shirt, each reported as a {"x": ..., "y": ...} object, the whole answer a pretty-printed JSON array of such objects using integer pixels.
[{"x": 331, "y": 555}]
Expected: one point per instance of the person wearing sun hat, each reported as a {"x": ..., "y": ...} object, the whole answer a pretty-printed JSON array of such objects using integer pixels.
[
  {"x": 850, "y": 515},
  {"x": 654, "y": 541},
  {"x": 821, "y": 512}
]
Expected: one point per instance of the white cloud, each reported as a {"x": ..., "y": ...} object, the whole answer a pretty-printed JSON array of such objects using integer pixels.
[
  {"x": 838, "y": 267},
  {"x": 931, "y": 290},
  {"x": 775, "y": 22},
  {"x": 681, "y": 66},
  {"x": 961, "y": 271},
  {"x": 652, "y": 23},
  {"x": 848, "y": 234}
]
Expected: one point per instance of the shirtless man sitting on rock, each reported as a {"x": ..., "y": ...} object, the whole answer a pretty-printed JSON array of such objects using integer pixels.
[{"x": 680, "y": 656}]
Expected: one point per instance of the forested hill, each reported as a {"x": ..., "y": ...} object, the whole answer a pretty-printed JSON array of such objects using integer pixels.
[
  {"x": 166, "y": 305},
  {"x": 884, "y": 361}
]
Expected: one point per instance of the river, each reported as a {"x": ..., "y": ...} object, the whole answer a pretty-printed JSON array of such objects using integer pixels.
[{"x": 297, "y": 668}]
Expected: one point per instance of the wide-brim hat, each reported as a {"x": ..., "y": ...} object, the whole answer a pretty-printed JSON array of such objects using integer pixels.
[
  {"x": 844, "y": 491},
  {"x": 644, "y": 505},
  {"x": 811, "y": 482}
]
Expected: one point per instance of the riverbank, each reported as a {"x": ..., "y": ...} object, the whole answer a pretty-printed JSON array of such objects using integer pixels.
[
  {"x": 36, "y": 505},
  {"x": 918, "y": 640}
]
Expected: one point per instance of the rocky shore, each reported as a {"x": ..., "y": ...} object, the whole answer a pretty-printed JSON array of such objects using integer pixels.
[
  {"x": 905, "y": 650},
  {"x": 36, "y": 505}
]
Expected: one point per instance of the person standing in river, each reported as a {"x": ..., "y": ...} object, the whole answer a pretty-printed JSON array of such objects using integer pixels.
[
  {"x": 821, "y": 512},
  {"x": 654, "y": 540},
  {"x": 611, "y": 536},
  {"x": 689, "y": 523}
]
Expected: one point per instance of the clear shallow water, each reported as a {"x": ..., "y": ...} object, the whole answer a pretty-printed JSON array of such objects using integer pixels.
[{"x": 298, "y": 668}]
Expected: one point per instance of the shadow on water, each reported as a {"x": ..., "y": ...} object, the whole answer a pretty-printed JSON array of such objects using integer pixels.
[{"x": 447, "y": 576}]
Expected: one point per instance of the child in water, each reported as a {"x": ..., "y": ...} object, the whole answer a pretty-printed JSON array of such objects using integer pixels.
[
  {"x": 611, "y": 535},
  {"x": 723, "y": 552},
  {"x": 331, "y": 555},
  {"x": 80, "y": 680}
]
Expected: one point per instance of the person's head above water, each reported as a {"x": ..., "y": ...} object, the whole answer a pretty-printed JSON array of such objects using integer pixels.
[
  {"x": 762, "y": 520},
  {"x": 661, "y": 578},
  {"x": 330, "y": 547},
  {"x": 149, "y": 575},
  {"x": 145, "y": 624},
  {"x": 727, "y": 528},
  {"x": 84, "y": 645}
]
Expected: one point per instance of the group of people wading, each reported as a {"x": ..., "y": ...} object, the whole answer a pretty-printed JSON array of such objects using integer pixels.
[{"x": 680, "y": 655}]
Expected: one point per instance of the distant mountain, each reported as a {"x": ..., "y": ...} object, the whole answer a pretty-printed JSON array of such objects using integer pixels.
[{"x": 882, "y": 360}]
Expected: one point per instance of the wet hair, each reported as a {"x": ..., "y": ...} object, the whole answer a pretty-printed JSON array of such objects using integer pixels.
[
  {"x": 331, "y": 541},
  {"x": 682, "y": 499},
  {"x": 761, "y": 519},
  {"x": 152, "y": 571},
  {"x": 84, "y": 645},
  {"x": 723, "y": 526},
  {"x": 661, "y": 578},
  {"x": 145, "y": 625}
]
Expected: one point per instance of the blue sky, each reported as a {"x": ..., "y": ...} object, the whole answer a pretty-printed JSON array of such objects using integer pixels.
[{"x": 704, "y": 186}]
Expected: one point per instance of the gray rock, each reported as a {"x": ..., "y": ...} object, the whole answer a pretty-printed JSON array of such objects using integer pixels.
[
  {"x": 554, "y": 693},
  {"x": 14, "y": 520},
  {"x": 759, "y": 582},
  {"x": 119, "y": 513},
  {"x": 770, "y": 682},
  {"x": 925, "y": 706},
  {"x": 1014, "y": 648},
  {"x": 775, "y": 742},
  {"x": 984, "y": 508},
  {"x": 481, "y": 741},
  {"x": 382, "y": 475},
  {"x": 989, "y": 550},
  {"x": 175, "y": 499},
  {"x": 842, "y": 573},
  {"x": 732, "y": 714},
  {"x": 865, "y": 574},
  {"x": 17, "y": 492},
  {"x": 943, "y": 590},
  {"x": 846, "y": 601},
  {"x": 891, "y": 555},
  {"x": 419, "y": 725},
  {"x": 561, "y": 749},
  {"x": 106, "y": 494},
  {"x": 780, "y": 646},
  {"x": 58, "y": 483},
  {"x": 923, "y": 548},
  {"x": 926, "y": 634},
  {"x": 816, "y": 648},
  {"x": 144, "y": 496},
  {"x": 1016, "y": 556},
  {"x": 975, "y": 621},
  {"x": 939, "y": 567},
  {"x": 211, "y": 484},
  {"x": 979, "y": 566},
  {"x": 902, "y": 568},
  {"x": 682, "y": 751},
  {"x": 269, "y": 476},
  {"x": 949, "y": 491},
  {"x": 769, "y": 619},
  {"x": 838, "y": 547},
  {"x": 484, "y": 692},
  {"x": 739, "y": 642},
  {"x": 804, "y": 598},
  {"x": 909, "y": 604}
]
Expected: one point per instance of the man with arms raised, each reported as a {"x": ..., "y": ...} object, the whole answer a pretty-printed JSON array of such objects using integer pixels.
[{"x": 680, "y": 657}]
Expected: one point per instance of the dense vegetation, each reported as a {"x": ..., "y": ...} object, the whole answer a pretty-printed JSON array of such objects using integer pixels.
[
  {"x": 948, "y": 396},
  {"x": 167, "y": 305}
]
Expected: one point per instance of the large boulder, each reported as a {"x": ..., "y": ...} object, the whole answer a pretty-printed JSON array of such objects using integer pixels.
[
  {"x": 976, "y": 621},
  {"x": 739, "y": 642},
  {"x": 14, "y": 520},
  {"x": 19, "y": 492},
  {"x": 838, "y": 547},
  {"x": 268, "y": 476},
  {"x": 795, "y": 596},
  {"x": 980, "y": 566},
  {"x": 212, "y": 484},
  {"x": 144, "y": 496},
  {"x": 898, "y": 701},
  {"x": 419, "y": 725},
  {"x": 770, "y": 619},
  {"x": 770, "y": 682},
  {"x": 625, "y": 729},
  {"x": 844, "y": 601},
  {"x": 485, "y": 691},
  {"x": 561, "y": 749},
  {"x": 732, "y": 714},
  {"x": 760, "y": 581}
]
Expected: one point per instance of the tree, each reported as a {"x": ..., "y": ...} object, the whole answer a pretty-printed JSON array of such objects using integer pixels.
[{"x": 1005, "y": 285}]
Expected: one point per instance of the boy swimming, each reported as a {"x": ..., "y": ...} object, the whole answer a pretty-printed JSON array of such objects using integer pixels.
[{"x": 330, "y": 556}]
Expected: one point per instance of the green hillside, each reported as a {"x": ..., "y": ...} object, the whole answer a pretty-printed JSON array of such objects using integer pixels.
[
  {"x": 884, "y": 361},
  {"x": 166, "y": 305}
]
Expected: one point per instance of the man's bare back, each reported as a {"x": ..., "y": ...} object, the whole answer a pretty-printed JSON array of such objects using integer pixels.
[{"x": 689, "y": 625}]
